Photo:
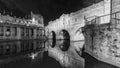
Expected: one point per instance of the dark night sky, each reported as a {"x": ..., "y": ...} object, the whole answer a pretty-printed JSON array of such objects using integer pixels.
[{"x": 49, "y": 9}]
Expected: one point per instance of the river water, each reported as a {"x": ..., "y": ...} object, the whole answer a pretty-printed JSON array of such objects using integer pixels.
[{"x": 48, "y": 57}]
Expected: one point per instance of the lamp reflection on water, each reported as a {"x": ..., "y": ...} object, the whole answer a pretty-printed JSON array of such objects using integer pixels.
[{"x": 33, "y": 55}]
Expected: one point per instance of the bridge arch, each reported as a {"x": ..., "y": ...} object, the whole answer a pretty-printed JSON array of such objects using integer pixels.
[
  {"x": 53, "y": 38},
  {"x": 66, "y": 40},
  {"x": 65, "y": 34}
]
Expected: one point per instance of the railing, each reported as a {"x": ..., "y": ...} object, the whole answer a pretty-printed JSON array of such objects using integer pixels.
[{"x": 113, "y": 18}]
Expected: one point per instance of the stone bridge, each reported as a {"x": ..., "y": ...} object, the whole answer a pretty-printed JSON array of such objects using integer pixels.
[
  {"x": 101, "y": 29},
  {"x": 72, "y": 23}
]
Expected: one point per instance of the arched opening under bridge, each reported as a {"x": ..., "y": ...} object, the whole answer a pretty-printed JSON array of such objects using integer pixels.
[
  {"x": 53, "y": 38},
  {"x": 66, "y": 40}
]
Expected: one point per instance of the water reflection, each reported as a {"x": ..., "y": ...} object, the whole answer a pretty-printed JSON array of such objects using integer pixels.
[
  {"x": 65, "y": 44},
  {"x": 26, "y": 54},
  {"x": 75, "y": 58},
  {"x": 41, "y": 54},
  {"x": 17, "y": 47},
  {"x": 43, "y": 61},
  {"x": 68, "y": 58}
]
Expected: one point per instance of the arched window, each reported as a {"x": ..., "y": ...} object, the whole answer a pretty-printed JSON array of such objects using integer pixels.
[{"x": 8, "y": 31}]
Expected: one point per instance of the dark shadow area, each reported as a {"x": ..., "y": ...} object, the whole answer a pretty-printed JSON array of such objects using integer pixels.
[
  {"x": 14, "y": 48},
  {"x": 65, "y": 45},
  {"x": 66, "y": 35},
  {"x": 91, "y": 62},
  {"x": 44, "y": 62},
  {"x": 53, "y": 39},
  {"x": 83, "y": 49},
  {"x": 66, "y": 40}
]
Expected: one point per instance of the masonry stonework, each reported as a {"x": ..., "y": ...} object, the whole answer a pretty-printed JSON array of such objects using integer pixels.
[{"x": 74, "y": 21}]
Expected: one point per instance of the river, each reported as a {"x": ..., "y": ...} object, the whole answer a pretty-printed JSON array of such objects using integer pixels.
[{"x": 48, "y": 57}]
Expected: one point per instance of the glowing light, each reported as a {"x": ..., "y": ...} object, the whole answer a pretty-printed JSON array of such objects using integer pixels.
[
  {"x": 33, "y": 55},
  {"x": 60, "y": 56}
]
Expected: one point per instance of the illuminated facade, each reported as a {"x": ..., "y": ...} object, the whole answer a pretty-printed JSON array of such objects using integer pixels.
[
  {"x": 74, "y": 21},
  {"x": 16, "y": 28}
]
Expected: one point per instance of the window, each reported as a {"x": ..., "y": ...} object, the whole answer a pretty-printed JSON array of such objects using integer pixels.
[
  {"x": 14, "y": 31},
  {"x": 1, "y": 31},
  {"x": 43, "y": 32},
  {"x": 31, "y": 32},
  {"x": 8, "y": 31},
  {"x": 40, "y": 32},
  {"x": 27, "y": 32},
  {"x": 37, "y": 32},
  {"x": 22, "y": 31}
]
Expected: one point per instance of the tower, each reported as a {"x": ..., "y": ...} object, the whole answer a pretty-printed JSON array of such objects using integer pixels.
[{"x": 38, "y": 18}]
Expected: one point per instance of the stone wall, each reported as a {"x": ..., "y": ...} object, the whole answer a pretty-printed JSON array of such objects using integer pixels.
[
  {"x": 77, "y": 18},
  {"x": 103, "y": 42},
  {"x": 115, "y": 6},
  {"x": 95, "y": 10}
]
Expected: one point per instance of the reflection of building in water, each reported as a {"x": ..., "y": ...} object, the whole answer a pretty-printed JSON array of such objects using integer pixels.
[
  {"x": 17, "y": 50},
  {"x": 19, "y": 47}
]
